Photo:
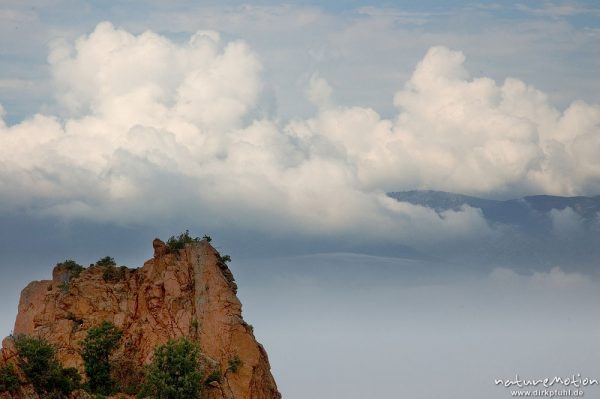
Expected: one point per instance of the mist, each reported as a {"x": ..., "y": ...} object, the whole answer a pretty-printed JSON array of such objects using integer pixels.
[{"x": 380, "y": 325}]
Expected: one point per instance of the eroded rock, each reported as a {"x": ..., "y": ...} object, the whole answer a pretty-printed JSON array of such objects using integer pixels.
[{"x": 189, "y": 293}]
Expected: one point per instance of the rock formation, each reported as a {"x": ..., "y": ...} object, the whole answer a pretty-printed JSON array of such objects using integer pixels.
[{"x": 189, "y": 292}]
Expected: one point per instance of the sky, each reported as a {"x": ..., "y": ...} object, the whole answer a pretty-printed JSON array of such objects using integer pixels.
[{"x": 278, "y": 129}]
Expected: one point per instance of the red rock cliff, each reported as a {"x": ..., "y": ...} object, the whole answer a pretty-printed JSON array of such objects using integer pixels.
[{"x": 190, "y": 292}]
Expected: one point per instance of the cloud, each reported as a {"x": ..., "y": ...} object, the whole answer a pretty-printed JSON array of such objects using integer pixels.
[
  {"x": 553, "y": 279},
  {"x": 155, "y": 129},
  {"x": 16, "y": 84},
  {"x": 558, "y": 10},
  {"x": 567, "y": 223},
  {"x": 464, "y": 134}
]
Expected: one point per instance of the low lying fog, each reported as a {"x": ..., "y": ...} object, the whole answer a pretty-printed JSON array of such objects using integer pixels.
[{"x": 353, "y": 326}]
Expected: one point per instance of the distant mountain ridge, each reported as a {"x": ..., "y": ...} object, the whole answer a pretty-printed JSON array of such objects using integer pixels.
[{"x": 537, "y": 231}]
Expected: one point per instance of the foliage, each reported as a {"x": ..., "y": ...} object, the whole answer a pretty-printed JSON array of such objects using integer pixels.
[
  {"x": 214, "y": 375},
  {"x": 175, "y": 371},
  {"x": 73, "y": 268},
  {"x": 126, "y": 374},
  {"x": 234, "y": 364},
  {"x": 114, "y": 274},
  {"x": 207, "y": 238},
  {"x": 69, "y": 380},
  {"x": 225, "y": 258},
  {"x": 37, "y": 359},
  {"x": 106, "y": 262},
  {"x": 176, "y": 243},
  {"x": 97, "y": 347},
  {"x": 111, "y": 271},
  {"x": 9, "y": 380}
]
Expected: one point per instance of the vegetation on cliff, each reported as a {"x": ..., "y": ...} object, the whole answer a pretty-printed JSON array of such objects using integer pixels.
[
  {"x": 37, "y": 360},
  {"x": 178, "y": 242},
  {"x": 175, "y": 372},
  {"x": 9, "y": 379},
  {"x": 97, "y": 347}
]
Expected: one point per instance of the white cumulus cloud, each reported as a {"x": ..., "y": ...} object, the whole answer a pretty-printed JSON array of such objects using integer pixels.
[{"x": 155, "y": 129}]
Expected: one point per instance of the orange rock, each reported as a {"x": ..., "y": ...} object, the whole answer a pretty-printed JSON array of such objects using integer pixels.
[
  {"x": 160, "y": 248},
  {"x": 189, "y": 293}
]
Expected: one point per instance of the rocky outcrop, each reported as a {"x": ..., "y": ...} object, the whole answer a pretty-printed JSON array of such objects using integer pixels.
[{"x": 190, "y": 292}]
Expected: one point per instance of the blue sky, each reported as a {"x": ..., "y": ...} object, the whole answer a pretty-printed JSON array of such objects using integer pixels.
[
  {"x": 278, "y": 129},
  {"x": 557, "y": 39}
]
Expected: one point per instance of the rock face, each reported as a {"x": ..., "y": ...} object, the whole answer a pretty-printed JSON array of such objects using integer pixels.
[{"x": 189, "y": 292}]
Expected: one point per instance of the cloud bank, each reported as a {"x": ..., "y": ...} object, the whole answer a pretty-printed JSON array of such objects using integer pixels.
[{"x": 151, "y": 129}]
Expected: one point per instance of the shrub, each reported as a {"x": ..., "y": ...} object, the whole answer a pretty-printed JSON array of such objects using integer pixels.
[
  {"x": 214, "y": 376},
  {"x": 114, "y": 274},
  {"x": 224, "y": 258},
  {"x": 175, "y": 371},
  {"x": 176, "y": 243},
  {"x": 106, "y": 262},
  {"x": 73, "y": 267},
  {"x": 234, "y": 364},
  {"x": 68, "y": 380},
  {"x": 126, "y": 374},
  {"x": 207, "y": 238},
  {"x": 37, "y": 359},
  {"x": 97, "y": 347},
  {"x": 9, "y": 380}
]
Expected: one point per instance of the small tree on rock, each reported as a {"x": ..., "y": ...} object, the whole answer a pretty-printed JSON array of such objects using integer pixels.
[
  {"x": 97, "y": 347},
  {"x": 37, "y": 359},
  {"x": 175, "y": 371}
]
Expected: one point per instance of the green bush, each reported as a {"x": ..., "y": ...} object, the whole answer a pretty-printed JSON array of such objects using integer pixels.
[
  {"x": 113, "y": 273},
  {"x": 73, "y": 267},
  {"x": 37, "y": 359},
  {"x": 68, "y": 380},
  {"x": 175, "y": 371},
  {"x": 97, "y": 347},
  {"x": 126, "y": 374},
  {"x": 224, "y": 258},
  {"x": 106, "y": 262},
  {"x": 234, "y": 364},
  {"x": 176, "y": 243},
  {"x": 214, "y": 376},
  {"x": 9, "y": 380},
  {"x": 207, "y": 238}
]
